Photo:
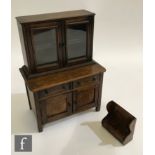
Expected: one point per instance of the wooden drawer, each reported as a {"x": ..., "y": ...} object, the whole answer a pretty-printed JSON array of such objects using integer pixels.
[
  {"x": 54, "y": 90},
  {"x": 92, "y": 80}
]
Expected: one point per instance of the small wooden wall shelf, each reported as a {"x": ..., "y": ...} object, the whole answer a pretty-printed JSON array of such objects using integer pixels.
[
  {"x": 61, "y": 77},
  {"x": 119, "y": 122}
]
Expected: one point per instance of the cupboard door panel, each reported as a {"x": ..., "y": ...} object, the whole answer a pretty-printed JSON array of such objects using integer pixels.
[
  {"x": 85, "y": 98},
  {"x": 56, "y": 107}
]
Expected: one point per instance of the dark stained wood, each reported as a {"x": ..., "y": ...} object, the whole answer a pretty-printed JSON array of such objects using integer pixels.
[
  {"x": 59, "y": 22},
  {"x": 119, "y": 122},
  {"x": 44, "y": 82},
  {"x": 28, "y": 96},
  {"x": 91, "y": 80},
  {"x": 38, "y": 112},
  {"x": 64, "y": 99},
  {"x": 33, "y": 98},
  {"x": 53, "y": 16},
  {"x": 26, "y": 75},
  {"x": 57, "y": 89},
  {"x": 56, "y": 107},
  {"x": 100, "y": 92},
  {"x": 44, "y": 26},
  {"x": 54, "y": 90},
  {"x": 84, "y": 97},
  {"x": 88, "y": 22}
]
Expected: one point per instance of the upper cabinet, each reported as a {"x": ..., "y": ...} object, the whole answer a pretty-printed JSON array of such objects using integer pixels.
[{"x": 56, "y": 40}]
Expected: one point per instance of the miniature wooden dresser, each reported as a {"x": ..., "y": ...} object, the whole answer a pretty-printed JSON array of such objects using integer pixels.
[{"x": 60, "y": 75}]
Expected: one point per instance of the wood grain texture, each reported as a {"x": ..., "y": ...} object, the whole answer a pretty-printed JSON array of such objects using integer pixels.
[
  {"x": 60, "y": 98},
  {"x": 68, "y": 85},
  {"x": 58, "y": 22},
  {"x": 53, "y": 16},
  {"x": 119, "y": 122},
  {"x": 44, "y": 82},
  {"x": 100, "y": 92}
]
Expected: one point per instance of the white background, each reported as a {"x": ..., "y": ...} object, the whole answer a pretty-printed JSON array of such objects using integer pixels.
[{"x": 117, "y": 46}]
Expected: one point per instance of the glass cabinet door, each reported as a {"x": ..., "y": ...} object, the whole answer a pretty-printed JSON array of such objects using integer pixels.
[
  {"x": 77, "y": 42},
  {"x": 46, "y": 52},
  {"x": 59, "y": 44},
  {"x": 45, "y": 46}
]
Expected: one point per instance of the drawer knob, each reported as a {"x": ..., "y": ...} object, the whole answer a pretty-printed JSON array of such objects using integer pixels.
[
  {"x": 46, "y": 92},
  {"x": 78, "y": 83},
  {"x": 63, "y": 87},
  {"x": 94, "y": 78}
]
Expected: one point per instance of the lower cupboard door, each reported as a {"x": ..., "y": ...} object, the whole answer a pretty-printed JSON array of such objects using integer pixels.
[
  {"x": 55, "y": 107},
  {"x": 85, "y": 98}
]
